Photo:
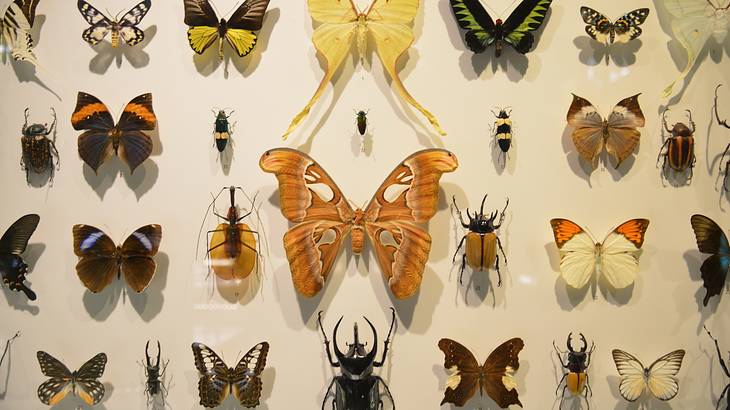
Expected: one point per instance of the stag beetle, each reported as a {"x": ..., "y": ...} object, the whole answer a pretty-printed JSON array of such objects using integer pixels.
[
  {"x": 724, "y": 368},
  {"x": 357, "y": 388},
  {"x": 576, "y": 378},
  {"x": 154, "y": 374}
]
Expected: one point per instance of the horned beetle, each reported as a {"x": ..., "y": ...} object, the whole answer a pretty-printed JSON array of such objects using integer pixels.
[
  {"x": 576, "y": 378},
  {"x": 154, "y": 375},
  {"x": 39, "y": 151}
]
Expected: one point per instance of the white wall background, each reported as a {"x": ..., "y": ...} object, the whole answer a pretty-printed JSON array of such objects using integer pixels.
[{"x": 543, "y": 179}]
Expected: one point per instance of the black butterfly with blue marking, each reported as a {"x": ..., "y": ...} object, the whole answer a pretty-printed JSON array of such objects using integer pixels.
[
  {"x": 126, "y": 27},
  {"x": 712, "y": 240},
  {"x": 13, "y": 243},
  {"x": 483, "y": 31},
  {"x": 623, "y": 30}
]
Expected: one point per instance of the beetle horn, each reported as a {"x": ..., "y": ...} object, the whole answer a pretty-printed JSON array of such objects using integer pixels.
[
  {"x": 159, "y": 353},
  {"x": 481, "y": 209},
  {"x": 374, "y": 351},
  {"x": 338, "y": 353},
  {"x": 147, "y": 354},
  {"x": 584, "y": 342},
  {"x": 569, "y": 341}
]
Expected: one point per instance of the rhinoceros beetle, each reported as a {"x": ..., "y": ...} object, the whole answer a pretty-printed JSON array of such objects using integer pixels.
[{"x": 357, "y": 388}]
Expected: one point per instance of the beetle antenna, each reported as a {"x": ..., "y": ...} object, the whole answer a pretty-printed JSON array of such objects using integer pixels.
[
  {"x": 481, "y": 210},
  {"x": 197, "y": 244},
  {"x": 392, "y": 323}
]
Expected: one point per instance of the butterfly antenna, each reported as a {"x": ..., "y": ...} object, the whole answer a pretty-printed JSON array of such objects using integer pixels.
[{"x": 202, "y": 224}]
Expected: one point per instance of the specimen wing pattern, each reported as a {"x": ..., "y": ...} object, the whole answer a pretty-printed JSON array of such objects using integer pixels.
[
  {"x": 526, "y": 18},
  {"x": 97, "y": 265},
  {"x": 100, "y": 24},
  {"x": 239, "y": 30},
  {"x": 498, "y": 371},
  {"x": 623, "y": 136},
  {"x": 16, "y": 238},
  {"x": 623, "y": 30},
  {"x": 138, "y": 249},
  {"x": 620, "y": 253},
  {"x": 479, "y": 25},
  {"x": 577, "y": 252},
  {"x": 247, "y": 383},
  {"x": 464, "y": 368},
  {"x": 83, "y": 383},
  {"x": 588, "y": 128},
  {"x": 660, "y": 378},
  {"x": 15, "y": 26},
  {"x": 242, "y": 24},
  {"x": 712, "y": 240},
  {"x": 631, "y": 370}
]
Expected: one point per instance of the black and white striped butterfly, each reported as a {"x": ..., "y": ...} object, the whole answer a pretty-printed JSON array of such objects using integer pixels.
[
  {"x": 15, "y": 25},
  {"x": 623, "y": 30},
  {"x": 217, "y": 380},
  {"x": 126, "y": 27},
  {"x": 659, "y": 378},
  {"x": 82, "y": 383}
]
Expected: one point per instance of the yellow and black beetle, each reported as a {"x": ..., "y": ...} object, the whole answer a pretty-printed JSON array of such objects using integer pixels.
[
  {"x": 680, "y": 146},
  {"x": 481, "y": 240},
  {"x": 576, "y": 362}
]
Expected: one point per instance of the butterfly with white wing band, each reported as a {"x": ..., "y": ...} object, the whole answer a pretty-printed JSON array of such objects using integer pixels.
[{"x": 101, "y": 25}]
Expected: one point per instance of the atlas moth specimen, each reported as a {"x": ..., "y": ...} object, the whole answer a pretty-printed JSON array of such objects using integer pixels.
[{"x": 678, "y": 149}]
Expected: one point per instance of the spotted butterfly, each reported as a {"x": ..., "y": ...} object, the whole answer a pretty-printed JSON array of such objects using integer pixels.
[
  {"x": 126, "y": 27},
  {"x": 82, "y": 383},
  {"x": 623, "y": 30}
]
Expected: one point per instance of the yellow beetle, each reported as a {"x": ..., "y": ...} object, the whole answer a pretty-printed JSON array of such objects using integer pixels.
[
  {"x": 481, "y": 241},
  {"x": 576, "y": 362}
]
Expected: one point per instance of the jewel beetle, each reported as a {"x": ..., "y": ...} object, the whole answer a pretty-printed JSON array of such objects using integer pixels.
[
  {"x": 222, "y": 131},
  {"x": 502, "y": 130}
]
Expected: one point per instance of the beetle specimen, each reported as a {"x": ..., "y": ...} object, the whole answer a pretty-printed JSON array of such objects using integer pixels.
[
  {"x": 576, "y": 362},
  {"x": 357, "y": 388},
  {"x": 680, "y": 146},
  {"x": 727, "y": 148},
  {"x": 231, "y": 247},
  {"x": 481, "y": 240},
  {"x": 361, "y": 118},
  {"x": 154, "y": 375},
  {"x": 502, "y": 131},
  {"x": 222, "y": 131},
  {"x": 39, "y": 151},
  {"x": 7, "y": 346},
  {"x": 724, "y": 369},
  {"x": 12, "y": 244}
]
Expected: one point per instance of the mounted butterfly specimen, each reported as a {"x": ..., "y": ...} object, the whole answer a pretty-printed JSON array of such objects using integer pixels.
[
  {"x": 401, "y": 246},
  {"x": 623, "y": 30},
  {"x": 496, "y": 376},
  {"x": 693, "y": 23},
  {"x": 616, "y": 258},
  {"x": 482, "y": 31},
  {"x": 678, "y": 149},
  {"x": 341, "y": 25},
  {"x": 712, "y": 240},
  {"x": 82, "y": 383},
  {"x": 15, "y": 25},
  {"x": 724, "y": 367},
  {"x": 103, "y": 138},
  {"x": 217, "y": 380},
  {"x": 12, "y": 244},
  {"x": 618, "y": 133},
  {"x": 206, "y": 28},
  {"x": 724, "y": 124},
  {"x": 232, "y": 249},
  {"x": 101, "y": 25},
  {"x": 100, "y": 260},
  {"x": 659, "y": 378}
]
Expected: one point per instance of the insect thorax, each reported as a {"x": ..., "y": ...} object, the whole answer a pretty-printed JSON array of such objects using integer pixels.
[{"x": 721, "y": 25}]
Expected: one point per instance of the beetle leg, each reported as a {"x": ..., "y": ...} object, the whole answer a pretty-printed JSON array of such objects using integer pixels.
[
  {"x": 461, "y": 269},
  {"x": 560, "y": 383},
  {"x": 725, "y": 390},
  {"x": 691, "y": 123},
  {"x": 499, "y": 274},
  {"x": 327, "y": 347},
  {"x": 25, "y": 124},
  {"x": 53, "y": 124},
  {"x": 586, "y": 390},
  {"x": 387, "y": 390},
  {"x": 499, "y": 243},
  {"x": 562, "y": 395},
  {"x": 717, "y": 115},
  {"x": 558, "y": 352},
  {"x": 664, "y": 121},
  {"x": 463, "y": 238},
  {"x": 327, "y": 392},
  {"x": 719, "y": 354},
  {"x": 662, "y": 153},
  {"x": 458, "y": 211},
  {"x": 387, "y": 341}
]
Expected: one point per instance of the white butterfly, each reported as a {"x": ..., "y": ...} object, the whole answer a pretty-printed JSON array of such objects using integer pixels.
[
  {"x": 617, "y": 257},
  {"x": 15, "y": 25},
  {"x": 693, "y": 23},
  {"x": 659, "y": 378}
]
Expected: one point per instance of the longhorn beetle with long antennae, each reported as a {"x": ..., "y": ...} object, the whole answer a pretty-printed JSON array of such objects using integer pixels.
[
  {"x": 481, "y": 240},
  {"x": 357, "y": 388}
]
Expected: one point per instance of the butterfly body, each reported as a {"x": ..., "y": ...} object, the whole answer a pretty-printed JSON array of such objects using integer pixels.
[
  {"x": 82, "y": 383},
  {"x": 623, "y": 30},
  {"x": 124, "y": 28}
]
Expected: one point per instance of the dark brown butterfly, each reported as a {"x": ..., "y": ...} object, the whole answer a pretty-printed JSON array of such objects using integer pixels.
[
  {"x": 103, "y": 138},
  {"x": 217, "y": 380},
  {"x": 12, "y": 244},
  {"x": 100, "y": 259},
  {"x": 495, "y": 376},
  {"x": 82, "y": 383}
]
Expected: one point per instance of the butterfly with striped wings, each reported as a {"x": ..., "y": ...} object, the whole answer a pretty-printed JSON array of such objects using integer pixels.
[
  {"x": 217, "y": 380},
  {"x": 659, "y": 378},
  {"x": 101, "y": 25},
  {"x": 15, "y": 25},
  {"x": 82, "y": 383},
  {"x": 623, "y": 30}
]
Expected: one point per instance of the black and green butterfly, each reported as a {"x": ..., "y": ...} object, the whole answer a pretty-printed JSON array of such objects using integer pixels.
[{"x": 516, "y": 31}]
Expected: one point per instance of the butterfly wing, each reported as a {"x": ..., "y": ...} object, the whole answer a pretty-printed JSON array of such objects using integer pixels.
[
  {"x": 389, "y": 24},
  {"x": 135, "y": 146},
  {"x": 479, "y": 26},
  {"x": 97, "y": 265},
  {"x": 620, "y": 252},
  {"x": 626, "y": 28},
  {"x": 588, "y": 129},
  {"x": 91, "y": 114},
  {"x": 314, "y": 242},
  {"x": 100, "y": 24},
  {"x": 577, "y": 252},
  {"x": 403, "y": 258},
  {"x": 15, "y": 239},
  {"x": 526, "y": 18},
  {"x": 623, "y": 137},
  {"x": 129, "y": 31},
  {"x": 203, "y": 22},
  {"x": 213, "y": 385},
  {"x": 499, "y": 369},
  {"x": 88, "y": 388},
  {"x": 332, "y": 39},
  {"x": 58, "y": 386},
  {"x": 137, "y": 252},
  {"x": 662, "y": 380},
  {"x": 464, "y": 378},
  {"x": 244, "y": 21},
  {"x": 711, "y": 239},
  {"x": 246, "y": 382},
  {"x": 16, "y": 28},
  {"x": 631, "y": 370},
  {"x": 598, "y": 26},
  {"x": 28, "y": 8}
]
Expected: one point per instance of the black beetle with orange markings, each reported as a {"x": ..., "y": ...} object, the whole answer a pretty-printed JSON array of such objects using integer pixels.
[{"x": 678, "y": 149}]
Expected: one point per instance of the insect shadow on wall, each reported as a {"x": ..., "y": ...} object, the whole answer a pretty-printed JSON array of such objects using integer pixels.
[
  {"x": 576, "y": 363},
  {"x": 481, "y": 242},
  {"x": 724, "y": 367},
  {"x": 154, "y": 371},
  {"x": 724, "y": 168},
  {"x": 39, "y": 153},
  {"x": 502, "y": 134},
  {"x": 677, "y": 149},
  {"x": 357, "y": 388}
]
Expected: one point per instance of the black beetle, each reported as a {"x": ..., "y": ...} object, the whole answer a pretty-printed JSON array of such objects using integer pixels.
[
  {"x": 39, "y": 151},
  {"x": 724, "y": 369},
  {"x": 357, "y": 388},
  {"x": 680, "y": 146},
  {"x": 154, "y": 374},
  {"x": 362, "y": 121},
  {"x": 576, "y": 378},
  {"x": 727, "y": 148},
  {"x": 222, "y": 131}
]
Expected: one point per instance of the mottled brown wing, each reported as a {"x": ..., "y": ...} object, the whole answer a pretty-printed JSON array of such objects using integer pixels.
[
  {"x": 402, "y": 247},
  {"x": 623, "y": 137},
  {"x": 213, "y": 385},
  {"x": 313, "y": 244},
  {"x": 97, "y": 264},
  {"x": 137, "y": 252},
  {"x": 588, "y": 129},
  {"x": 498, "y": 371},
  {"x": 246, "y": 382},
  {"x": 464, "y": 372}
]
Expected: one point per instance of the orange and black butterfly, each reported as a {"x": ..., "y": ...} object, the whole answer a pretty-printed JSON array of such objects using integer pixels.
[
  {"x": 100, "y": 259},
  {"x": 496, "y": 376},
  {"x": 103, "y": 138},
  {"x": 82, "y": 383}
]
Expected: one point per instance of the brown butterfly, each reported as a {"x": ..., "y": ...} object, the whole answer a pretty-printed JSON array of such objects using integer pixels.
[
  {"x": 495, "y": 376},
  {"x": 618, "y": 133},
  {"x": 103, "y": 138},
  {"x": 401, "y": 247},
  {"x": 100, "y": 259}
]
